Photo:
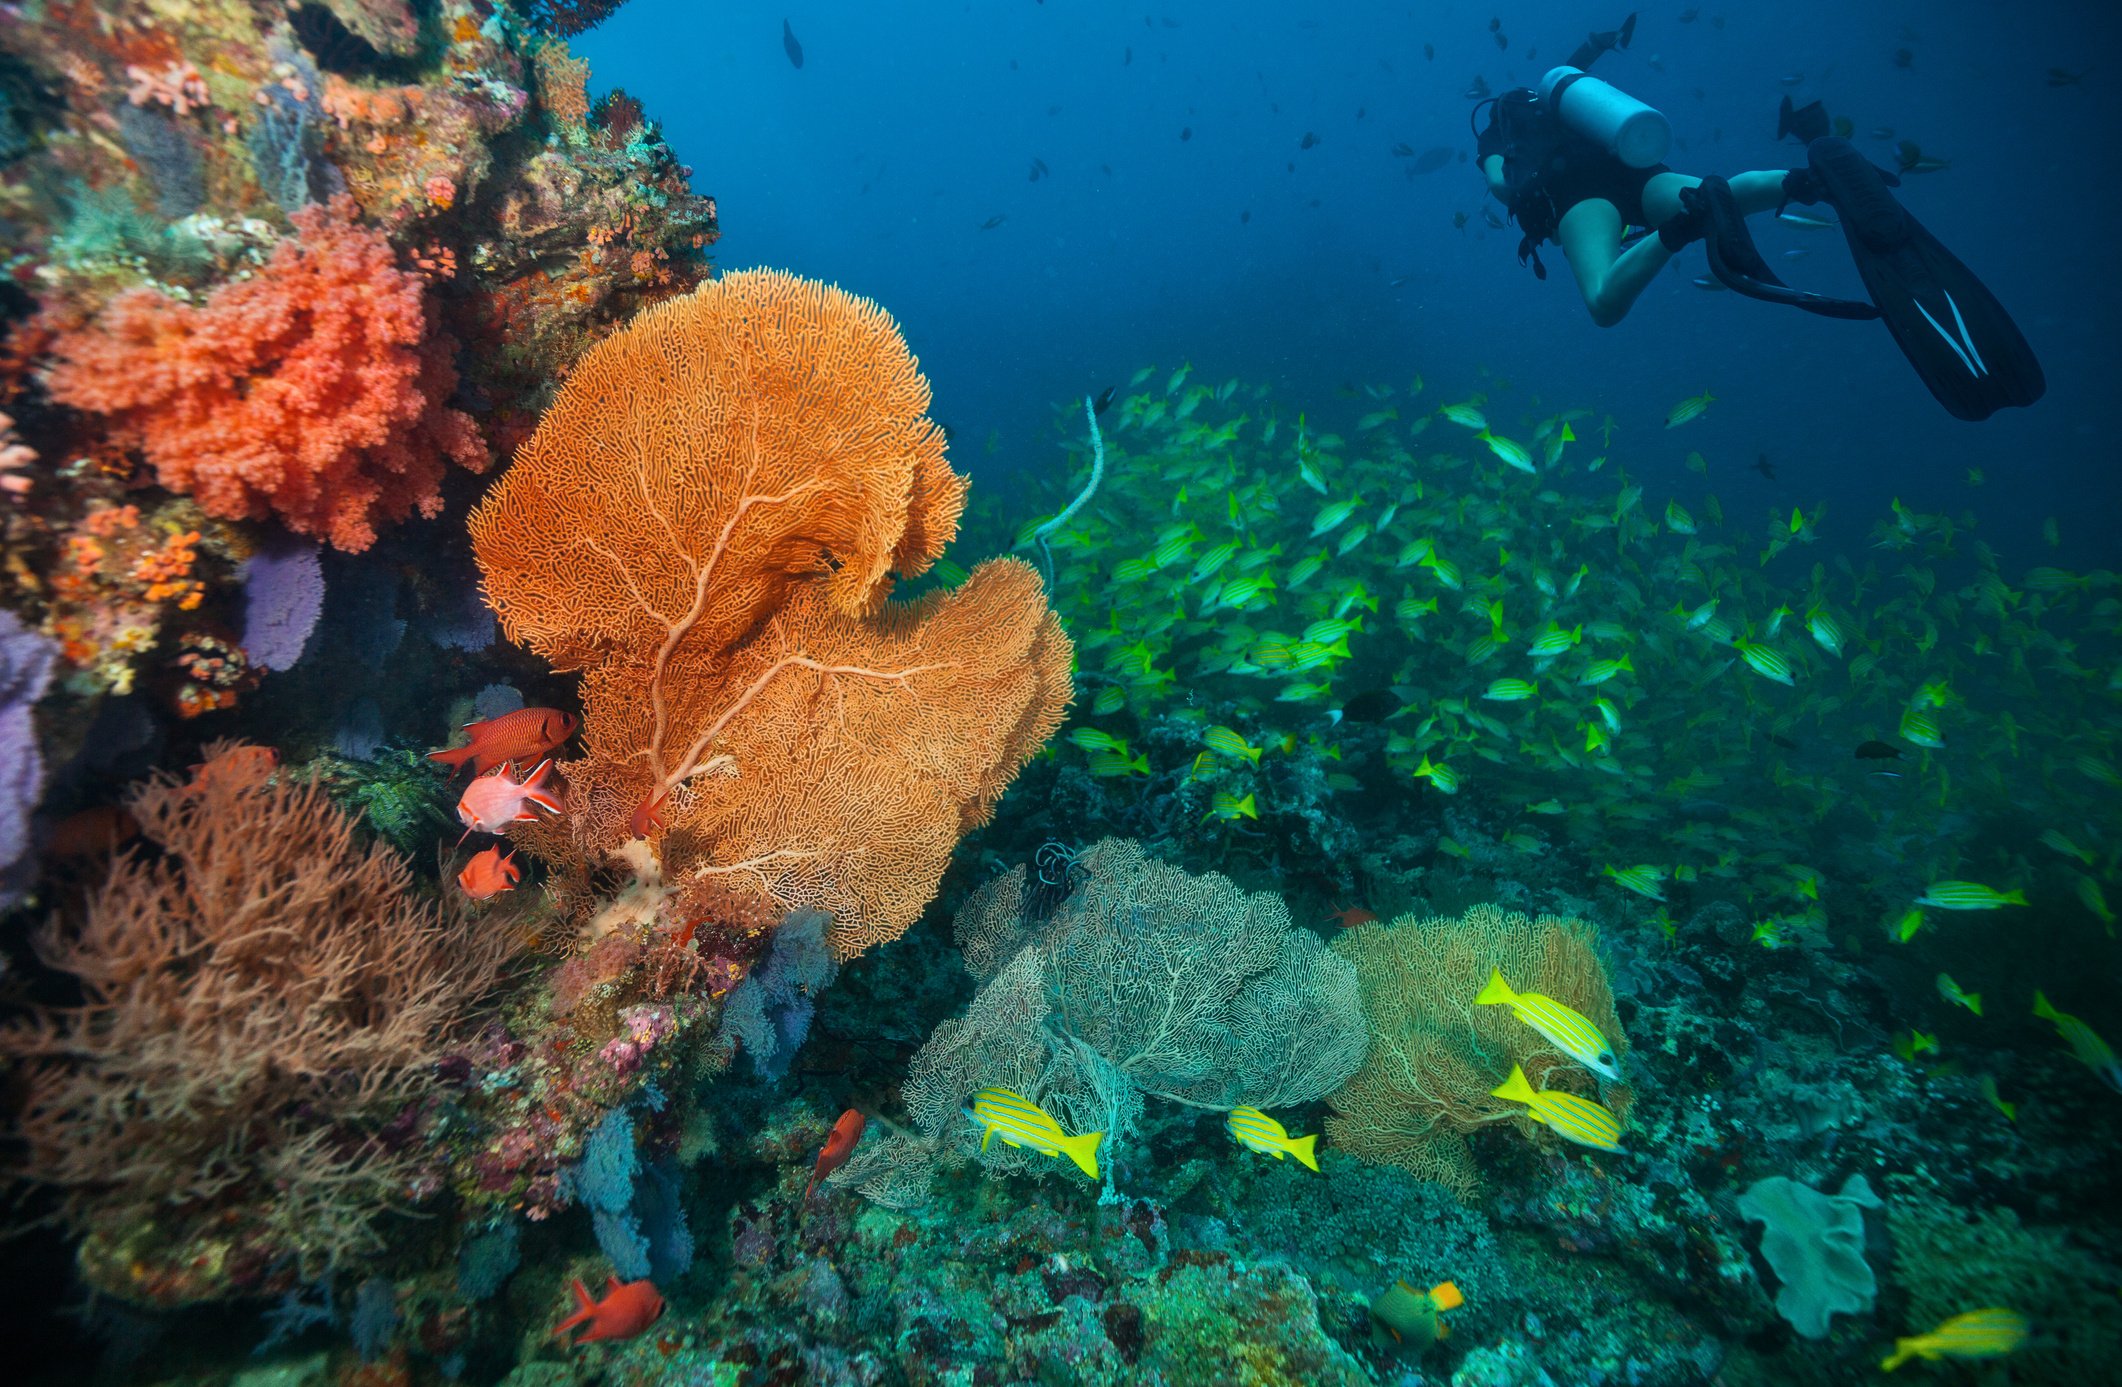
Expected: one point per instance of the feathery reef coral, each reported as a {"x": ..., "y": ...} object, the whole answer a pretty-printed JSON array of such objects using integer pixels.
[
  {"x": 707, "y": 523},
  {"x": 262, "y": 1001},
  {"x": 1435, "y": 1055}
]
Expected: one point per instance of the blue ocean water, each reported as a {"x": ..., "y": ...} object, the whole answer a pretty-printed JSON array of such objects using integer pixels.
[{"x": 907, "y": 128}]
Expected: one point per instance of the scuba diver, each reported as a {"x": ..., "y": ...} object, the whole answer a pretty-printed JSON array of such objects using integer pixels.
[{"x": 1578, "y": 161}]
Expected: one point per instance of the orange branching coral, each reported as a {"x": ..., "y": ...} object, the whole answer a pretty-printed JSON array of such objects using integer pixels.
[
  {"x": 707, "y": 523},
  {"x": 261, "y": 998},
  {"x": 1435, "y": 1055},
  {"x": 314, "y": 391}
]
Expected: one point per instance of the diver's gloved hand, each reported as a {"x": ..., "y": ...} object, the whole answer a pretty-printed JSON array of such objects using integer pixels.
[
  {"x": 1690, "y": 225},
  {"x": 1803, "y": 187}
]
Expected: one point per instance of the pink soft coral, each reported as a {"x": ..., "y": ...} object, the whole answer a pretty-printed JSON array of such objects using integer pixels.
[{"x": 312, "y": 391}]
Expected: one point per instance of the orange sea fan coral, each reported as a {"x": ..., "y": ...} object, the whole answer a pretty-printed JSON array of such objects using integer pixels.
[
  {"x": 707, "y": 523},
  {"x": 314, "y": 391}
]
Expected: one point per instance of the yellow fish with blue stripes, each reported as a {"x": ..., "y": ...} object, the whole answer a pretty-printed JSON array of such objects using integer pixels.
[
  {"x": 1256, "y": 1130},
  {"x": 1571, "y": 1030},
  {"x": 1572, "y": 1118},
  {"x": 1989, "y": 1333},
  {"x": 1023, "y": 1123}
]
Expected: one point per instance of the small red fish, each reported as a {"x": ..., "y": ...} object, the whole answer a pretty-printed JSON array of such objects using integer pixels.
[
  {"x": 648, "y": 816},
  {"x": 625, "y": 1311},
  {"x": 1352, "y": 916},
  {"x": 838, "y": 1147},
  {"x": 489, "y": 874},
  {"x": 524, "y": 735},
  {"x": 492, "y": 802}
]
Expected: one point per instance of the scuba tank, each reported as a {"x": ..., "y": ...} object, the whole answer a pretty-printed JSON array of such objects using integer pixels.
[{"x": 1607, "y": 116}]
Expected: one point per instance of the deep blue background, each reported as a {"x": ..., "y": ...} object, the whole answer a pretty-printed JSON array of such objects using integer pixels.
[{"x": 911, "y": 124}]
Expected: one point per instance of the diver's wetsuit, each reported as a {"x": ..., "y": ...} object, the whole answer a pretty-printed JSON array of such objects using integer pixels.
[{"x": 1578, "y": 171}]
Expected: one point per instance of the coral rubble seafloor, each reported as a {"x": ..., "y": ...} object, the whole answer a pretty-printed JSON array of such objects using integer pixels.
[{"x": 1311, "y": 908}]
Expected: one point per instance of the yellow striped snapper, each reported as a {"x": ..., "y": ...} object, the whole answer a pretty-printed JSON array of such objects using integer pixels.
[
  {"x": 1024, "y": 1124},
  {"x": 1689, "y": 408},
  {"x": 1556, "y": 442},
  {"x": 1951, "y": 992},
  {"x": 1918, "y": 726},
  {"x": 1967, "y": 895},
  {"x": 1211, "y": 563},
  {"x": 1332, "y": 628},
  {"x": 1242, "y": 593},
  {"x": 1766, "y": 661},
  {"x": 1572, "y": 1118},
  {"x": 1600, "y": 671},
  {"x": 1351, "y": 537},
  {"x": 1825, "y": 631},
  {"x": 1256, "y": 1131},
  {"x": 1113, "y": 764},
  {"x": 1306, "y": 655},
  {"x": 1554, "y": 640},
  {"x": 1093, "y": 739},
  {"x": 2092, "y": 1052},
  {"x": 1408, "y": 611},
  {"x": 1307, "y": 568},
  {"x": 1677, "y": 519},
  {"x": 1511, "y": 691},
  {"x": 1986, "y": 1333},
  {"x": 1571, "y": 1031},
  {"x": 1333, "y": 514},
  {"x": 1643, "y": 880},
  {"x": 1446, "y": 571},
  {"x": 1467, "y": 415},
  {"x": 1226, "y": 806},
  {"x": 1228, "y": 741},
  {"x": 1508, "y": 450},
  {"x": 1443, "y": 777},
  {"x": 1414, "y": 551}
]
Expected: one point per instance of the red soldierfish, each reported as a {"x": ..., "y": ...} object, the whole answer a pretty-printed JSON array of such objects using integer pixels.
[
  {"x": 489, "y": 874},
  {"x": 838, "y": 1147},
  {"x": 493, "y": 802},
  {"x": 524, "y": 735},
  {"x": 623, "y": 1312}
]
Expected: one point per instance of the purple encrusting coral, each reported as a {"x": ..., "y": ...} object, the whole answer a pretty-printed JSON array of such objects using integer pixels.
[
  {"x": 26, "y": 660},
  {"x": 283, "y": 595}
]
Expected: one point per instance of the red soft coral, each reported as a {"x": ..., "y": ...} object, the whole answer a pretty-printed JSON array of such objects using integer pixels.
[{"x": 312, "y": 391}]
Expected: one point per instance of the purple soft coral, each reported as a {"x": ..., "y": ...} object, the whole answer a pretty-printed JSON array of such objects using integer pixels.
[{"x": 25, "y": 669}]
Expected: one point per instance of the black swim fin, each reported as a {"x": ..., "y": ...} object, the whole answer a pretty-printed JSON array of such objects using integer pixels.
[
  {"x": 1808, "y": 122},
  {"x": 1605, "y": 40},
  {"x": 1737, "y": 262},
  {"x": 1951, "y": 328}
]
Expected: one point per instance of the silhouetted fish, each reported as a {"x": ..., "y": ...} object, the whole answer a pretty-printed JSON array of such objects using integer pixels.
[
  {"x": 1308, "y": 141},
  {"x": 1372, "y": 705},
  {"x": 1104, "y": 399},
  {"x": 1477, "y": 90},
  {"x": 1766, "y": 468},
  {"x": 996, "y": 220},
  {"x": 1432, "y": 159},
  {"x": 1878, "y": 751},
  {"x": 790, "y": 46}
]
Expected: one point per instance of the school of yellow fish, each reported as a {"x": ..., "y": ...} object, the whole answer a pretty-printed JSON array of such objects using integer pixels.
[{"x": 1668, "y": 696}]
